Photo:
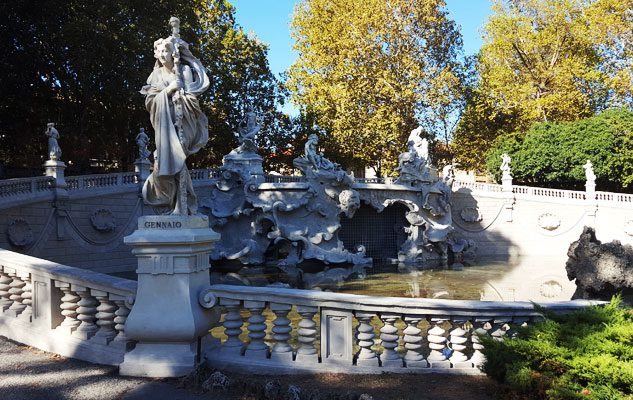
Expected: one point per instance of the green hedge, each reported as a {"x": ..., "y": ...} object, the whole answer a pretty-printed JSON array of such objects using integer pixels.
[
  {"x": 587, "y": 354},
  {"x": 550, "y": 154}
]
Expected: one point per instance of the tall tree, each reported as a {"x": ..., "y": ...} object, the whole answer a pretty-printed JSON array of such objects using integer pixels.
[
  {"x": 367, "y": 72},
  {"x": 547, "y": 61},
  {"x": 82, "y": 68},
  {"x": 241, "y": 79}
]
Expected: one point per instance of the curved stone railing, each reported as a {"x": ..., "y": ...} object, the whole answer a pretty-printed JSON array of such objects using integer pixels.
[
  {"x": 547, "y": 193},
  {"x": 478, "y": 186},
  {"x": 69, "y": 311},
  {"x": 25, "y": 186},
  {"x": 101, "y": 180},
  {"x": 337, "y": 332}
]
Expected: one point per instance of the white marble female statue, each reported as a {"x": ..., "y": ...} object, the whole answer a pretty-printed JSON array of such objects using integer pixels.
[
  {"x": 590, "y": 176},
  {"x": 180, "y": 126},
  {"x": 505, "y": 166},
  {"x": 54, "y": 151}
]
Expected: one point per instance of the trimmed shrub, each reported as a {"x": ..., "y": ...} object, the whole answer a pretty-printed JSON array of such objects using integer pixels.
[{"x": 587, "y": 354}]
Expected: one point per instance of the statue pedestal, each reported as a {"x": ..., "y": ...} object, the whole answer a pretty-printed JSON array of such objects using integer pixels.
[
  {"x": 248, "y": 164},
  {"x": 56, "y": 169},
  {"x": 142, "y": 168},
  {"x": 167, "y": 319}
]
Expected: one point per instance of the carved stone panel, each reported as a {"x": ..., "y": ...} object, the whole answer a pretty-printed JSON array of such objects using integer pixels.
[
  {"x": 336, "y": 340},
  {"x": 549, "y": 221},
  {"x": 103, "y": 220},
  {"x": 20, "y": 233}
]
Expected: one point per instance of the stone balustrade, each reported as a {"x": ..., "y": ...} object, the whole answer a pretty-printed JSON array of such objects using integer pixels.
[
  {"x": 69, "y": 311},
  {"x": 101, "y": 180},
  {"x": 25, "y": 186},
  {"x": 527, "y": 192},
  {"x": 334, "y": 332},
  {"x": 29, "y": 186}
]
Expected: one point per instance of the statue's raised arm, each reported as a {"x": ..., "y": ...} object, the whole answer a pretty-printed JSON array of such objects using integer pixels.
[{"x": 180, "y": 126}]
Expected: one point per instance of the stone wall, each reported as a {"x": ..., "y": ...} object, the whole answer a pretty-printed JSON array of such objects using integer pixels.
[
  {"x": 527, "y": 224},
  {"x": 86, "y": 227}
]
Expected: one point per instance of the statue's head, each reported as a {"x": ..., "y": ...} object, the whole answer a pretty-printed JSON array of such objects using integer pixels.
[
  {"x": 349, "y": 202},
  {"x": 164, "y": 51},
  {"x": 313, "y": 138}
]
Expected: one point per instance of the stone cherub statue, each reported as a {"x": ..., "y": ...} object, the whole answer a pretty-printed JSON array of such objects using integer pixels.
[
  {"x": 414, "y": 164},
  {"x": 54, "y": 151},
  {"x": 317, "y": 160},
  {"x": 142, "y": 140},
  {"x": 246, "y": 133},
  {"x": 180, "y": 126},
  {"x": 416, "y": 144}
]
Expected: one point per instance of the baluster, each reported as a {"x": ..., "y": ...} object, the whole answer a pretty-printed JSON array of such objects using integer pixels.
[
  {"x": 389, "y": 337},
  {"x": 120, "y": 316},
  {"x": 69, "y": 308},
  {"x": 16, "y": 290},
  {"x": 27, "y": 298},
  {"x": 5, "y": 285},
  {"x": 500, "y": 328},
  {"x": 478, "y": 357},
  {"x": 232, "y": 327},
  {"x": 458, "y": 339},
  {"x": 519, "y": 321},
  {"x": 86, "y": 314},
  {"x": 105, "y": 318},
  {"x": 281, "y": 332},
  {"x": 307, "y": 335},
  {"x": 413, "y": 339},
  {"x": 365, "y": 336},
  {"x": 256, "y": 330},
  {"x": 437, "y": 344}
]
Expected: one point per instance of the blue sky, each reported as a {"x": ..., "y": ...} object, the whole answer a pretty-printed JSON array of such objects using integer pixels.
[{"x": 270, "y": 21}]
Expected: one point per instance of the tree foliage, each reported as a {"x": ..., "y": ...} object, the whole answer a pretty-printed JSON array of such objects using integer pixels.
[
  {"x": 551, "y": 154},
  {"x": 368, "y": 72},
  {"x": 82, "y": 68},
  {"x": 547, "y": 61}
]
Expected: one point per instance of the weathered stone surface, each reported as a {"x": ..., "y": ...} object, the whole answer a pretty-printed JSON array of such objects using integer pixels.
[
  {"x": 601, "y": 269},
  {"x": 217, "y": 381}
]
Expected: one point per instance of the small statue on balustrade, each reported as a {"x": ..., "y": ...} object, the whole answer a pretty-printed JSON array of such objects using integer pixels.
[
  {"x": 54, "y": 151},
  {"x": 505, "y": 166},
  {"x": 589, "y": 174},
  {"x": 142, "y": 140}
]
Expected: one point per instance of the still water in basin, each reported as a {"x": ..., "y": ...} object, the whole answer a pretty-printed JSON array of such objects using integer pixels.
[
  {"x": 528, "y": 278},
  {"x": 539, "y": 279}
]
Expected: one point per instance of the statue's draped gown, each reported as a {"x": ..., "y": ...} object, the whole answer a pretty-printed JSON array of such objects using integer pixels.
[{"x": 161, "y": 188}]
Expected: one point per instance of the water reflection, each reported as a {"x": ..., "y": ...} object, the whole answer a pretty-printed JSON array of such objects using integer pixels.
[
  {"x": 539, "y": 279},
  {"x": 527, "y": 279}
]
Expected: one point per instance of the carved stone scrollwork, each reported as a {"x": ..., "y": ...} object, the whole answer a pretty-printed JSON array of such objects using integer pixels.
[
  {"x": 103, "y": 220},
  {"x": 549, "y": 221},
  {"x": 207, "y": 299},
  {"x": 20, "y": 233},
  {"x": 471, "y": 214}
]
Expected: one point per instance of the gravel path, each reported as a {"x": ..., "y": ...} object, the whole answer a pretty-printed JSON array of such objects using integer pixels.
[{"x": 28, "y": 374}]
